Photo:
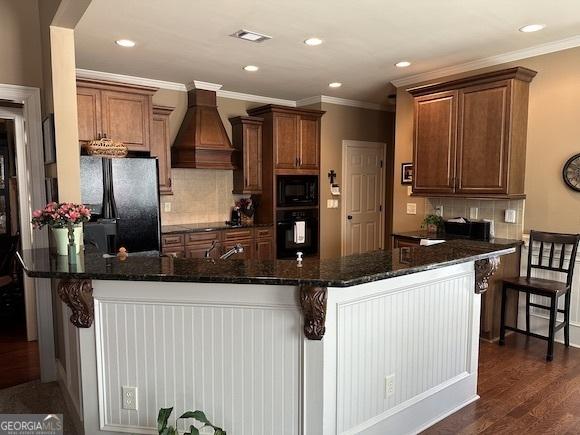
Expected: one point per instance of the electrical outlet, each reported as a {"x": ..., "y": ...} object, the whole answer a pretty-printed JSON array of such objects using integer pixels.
[
  {"x": 411, "y": 208},
  {"x": 129, "y": 397},
  {"x": 389, "y": 385},
  {"x": 473, "y": 212},
  {"x": 167, "y": 207},
  {"x": 510, "y": 216}
]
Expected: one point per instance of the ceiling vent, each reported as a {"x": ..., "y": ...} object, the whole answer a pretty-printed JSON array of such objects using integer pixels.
[{"x": 248, "y": 35}]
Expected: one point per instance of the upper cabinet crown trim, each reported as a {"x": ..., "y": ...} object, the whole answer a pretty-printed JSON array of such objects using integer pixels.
[
  {"x": 269, "y": 108},
  {"x": 115, "y": 86},
  {"x": 517, "y": 73}
]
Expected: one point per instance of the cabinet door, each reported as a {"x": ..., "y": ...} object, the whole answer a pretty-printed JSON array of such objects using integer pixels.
[
  {"x": 89, "y": 114},
  {"x": 252, "y": 155},
  {"x": 482, "y": 143},
  {"x": 265, "y": 249},
  {"x": 161, "y": 148},
  {"x": 126, "y": 118},
  {"x": 309, "y": 152},
  {"x": 434, "y": 143},
  {"x": 286, "y": 141}
]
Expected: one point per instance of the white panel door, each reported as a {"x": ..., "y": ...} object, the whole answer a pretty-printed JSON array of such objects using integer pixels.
[{"x": 364, "y": 196}]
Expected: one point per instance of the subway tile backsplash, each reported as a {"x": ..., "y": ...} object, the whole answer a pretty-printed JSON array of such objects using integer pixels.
[
  {"x": 199, "y": 196},
  {"x": 487, "y": 209}
]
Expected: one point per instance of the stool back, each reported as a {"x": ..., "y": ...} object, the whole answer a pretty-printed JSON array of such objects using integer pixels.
[{"x": 559, "y": 245}]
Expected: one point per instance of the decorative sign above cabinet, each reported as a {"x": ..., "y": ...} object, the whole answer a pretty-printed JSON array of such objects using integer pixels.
[{"x": 571, "y": 172}]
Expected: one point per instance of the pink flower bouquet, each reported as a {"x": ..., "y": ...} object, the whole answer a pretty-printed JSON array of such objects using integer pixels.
[{"x": 63, "y": 215}]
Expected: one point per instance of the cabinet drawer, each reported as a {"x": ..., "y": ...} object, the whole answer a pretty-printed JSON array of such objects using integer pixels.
[
  {"x": 239, "y": 234},
  {"x": 171, "y": 240},
  {"x": 207, "y": 236},
  {"x": 405, "y": 242},
  {"x": 263, "y": 233}
]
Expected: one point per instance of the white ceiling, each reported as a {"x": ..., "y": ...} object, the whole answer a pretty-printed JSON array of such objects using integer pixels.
[{"x": 183, "y": 40}]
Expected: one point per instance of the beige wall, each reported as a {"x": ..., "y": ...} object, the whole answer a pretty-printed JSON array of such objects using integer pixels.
[
  {"x": 553, "y": 136},
  {"x": 343, "y": 123},
  {"x": 20, "y": 50}
]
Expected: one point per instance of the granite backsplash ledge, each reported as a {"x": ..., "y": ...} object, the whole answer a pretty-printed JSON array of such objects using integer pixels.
[
  {"x": 199, "y": 196},
  {"x": 486, "y": 209}
]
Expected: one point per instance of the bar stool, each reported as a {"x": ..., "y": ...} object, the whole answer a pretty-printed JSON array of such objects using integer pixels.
[{"x": 559, "y": 246}]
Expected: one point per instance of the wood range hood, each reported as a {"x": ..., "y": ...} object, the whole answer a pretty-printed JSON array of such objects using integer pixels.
[{"x": 202, "y": 141}]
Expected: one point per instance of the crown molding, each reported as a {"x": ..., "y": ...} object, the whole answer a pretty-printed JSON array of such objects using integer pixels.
[
  {"x": 196, "y": 84},
  {"x": 121, "y": 78},
  {"x": 255, "y": 98},
  {"x": 537, "y": 50}
]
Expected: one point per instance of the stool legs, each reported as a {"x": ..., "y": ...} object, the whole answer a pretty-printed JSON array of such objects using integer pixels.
[
  {"x": 552, "y": 327},
  {"x": 502, "y": 321},
  {"x": 528, "y": 313},
  {"x": 567, "y": 319}
]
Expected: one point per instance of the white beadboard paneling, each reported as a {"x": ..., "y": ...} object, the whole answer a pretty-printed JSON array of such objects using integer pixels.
[
  {"x": 539, "y": 317},
  {"x": 241, "y": 364},
  {"x": 428, "y": 325}
]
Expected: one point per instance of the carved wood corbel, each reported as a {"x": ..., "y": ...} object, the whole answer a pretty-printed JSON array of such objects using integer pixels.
[
  {"x": 313, "y": 303},
  {"x": 78, "y": 295},
  {"x": 484, "y": 269}
]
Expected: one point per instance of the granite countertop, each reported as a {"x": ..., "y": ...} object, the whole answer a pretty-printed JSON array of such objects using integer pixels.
[
  {"x": 203, "y": 227},
  {"x": 423, "y": 234},
  {"x": 336, "y": 272}
]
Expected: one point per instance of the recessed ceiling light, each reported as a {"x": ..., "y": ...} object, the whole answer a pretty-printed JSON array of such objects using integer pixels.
[
  {"x": 403, "y": 64},
  {"x": 313, "y": 41},
  {"x": 125, "y": 43},
  {"x": 335, "y": 85},
  {"x": 532, "y": 28},
  {"x": 251, "y": 68},
  {"x": 248, "y": 35}
]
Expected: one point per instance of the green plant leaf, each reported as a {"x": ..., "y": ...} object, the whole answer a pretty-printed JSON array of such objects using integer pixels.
[
  {"x": 219, "y": 431},
  {"x": 193, "y": 430},
  {"x": 162, "y": 418},
  {"x": 198, "y": 415}
]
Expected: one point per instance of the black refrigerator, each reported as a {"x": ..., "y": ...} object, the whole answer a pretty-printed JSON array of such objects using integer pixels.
[{"x": 123, "y": 194}]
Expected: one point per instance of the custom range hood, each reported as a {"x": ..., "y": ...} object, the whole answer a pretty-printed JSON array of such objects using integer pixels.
[{"x": 202, "y": 141}]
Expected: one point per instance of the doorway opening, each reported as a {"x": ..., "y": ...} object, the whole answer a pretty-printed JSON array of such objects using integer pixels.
[{"x": 20, "y": 359}]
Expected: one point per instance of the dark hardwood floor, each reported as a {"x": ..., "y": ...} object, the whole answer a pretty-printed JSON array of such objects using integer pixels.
[
  {"x": 520, "y": 392},
  {"x": 19, "y": 360}
]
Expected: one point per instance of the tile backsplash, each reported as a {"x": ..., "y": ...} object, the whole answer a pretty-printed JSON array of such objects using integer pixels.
[
  {"x": 199, "y": 196},
  {"x": 486, "y": 209}
]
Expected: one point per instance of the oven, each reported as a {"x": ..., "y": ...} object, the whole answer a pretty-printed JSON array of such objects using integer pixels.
[
  {"x": 290, "y": 239},
  {"x": 297, "y": 190}
]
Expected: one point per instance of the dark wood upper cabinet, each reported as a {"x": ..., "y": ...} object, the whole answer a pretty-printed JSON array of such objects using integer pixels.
[
  {"x": 161, "y": 146},
  {"x": 293, "y": 134},
  {"x": 434, "y": 151},
  {"x": 470, "y": 135},
  {"x": 309, "y": 142},
  {"x": 247, "y": 140},
  {"x": 121, "y": 112}
]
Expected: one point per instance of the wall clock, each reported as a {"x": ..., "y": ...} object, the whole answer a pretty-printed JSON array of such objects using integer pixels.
[{"x": 571, "y": 172}]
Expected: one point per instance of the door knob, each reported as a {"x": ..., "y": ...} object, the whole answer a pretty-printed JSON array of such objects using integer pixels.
[{"x": 349, "y": 217}]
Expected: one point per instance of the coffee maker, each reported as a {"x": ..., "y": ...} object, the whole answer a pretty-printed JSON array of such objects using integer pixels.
[{"x": 236, "y": 217}]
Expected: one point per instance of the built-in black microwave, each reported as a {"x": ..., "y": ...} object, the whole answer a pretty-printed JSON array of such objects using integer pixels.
[{"x": 297, "y": 190}]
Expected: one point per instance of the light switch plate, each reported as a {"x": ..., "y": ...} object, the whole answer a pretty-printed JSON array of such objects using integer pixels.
[
  {"x": 335, "y": 203},
  {"x": 129, "y": 397},
  {"x": 167, "y": 207},
  {"x": 411, "y": 208},
  {"x": 409, "y": 190},
  {"x": 329, "y": 203},
  {"x": 510, "y": 216}
]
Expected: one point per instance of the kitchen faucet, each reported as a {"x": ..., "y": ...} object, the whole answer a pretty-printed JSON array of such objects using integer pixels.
[{"x": 238, "y": 248}]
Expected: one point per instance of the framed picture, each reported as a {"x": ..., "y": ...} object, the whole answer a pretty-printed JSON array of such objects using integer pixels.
[
  {"x": 407, "y": 173},
  {"x": 48, "y": 139}
]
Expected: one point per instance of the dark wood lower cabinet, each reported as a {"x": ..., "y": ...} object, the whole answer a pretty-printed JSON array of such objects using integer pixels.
[
  {"x": 509, "y": 267},
  {"x": 258, "y": 243}
]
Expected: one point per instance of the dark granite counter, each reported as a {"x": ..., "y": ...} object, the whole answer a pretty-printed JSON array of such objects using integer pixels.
[
  {"x": 203, "y": 227},
  {"x": 423, "y": 234},
  {"x": 336, "y": 272}
]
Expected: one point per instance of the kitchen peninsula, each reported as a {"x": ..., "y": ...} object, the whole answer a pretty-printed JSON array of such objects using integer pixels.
[{"x": 382, "y": 342}]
